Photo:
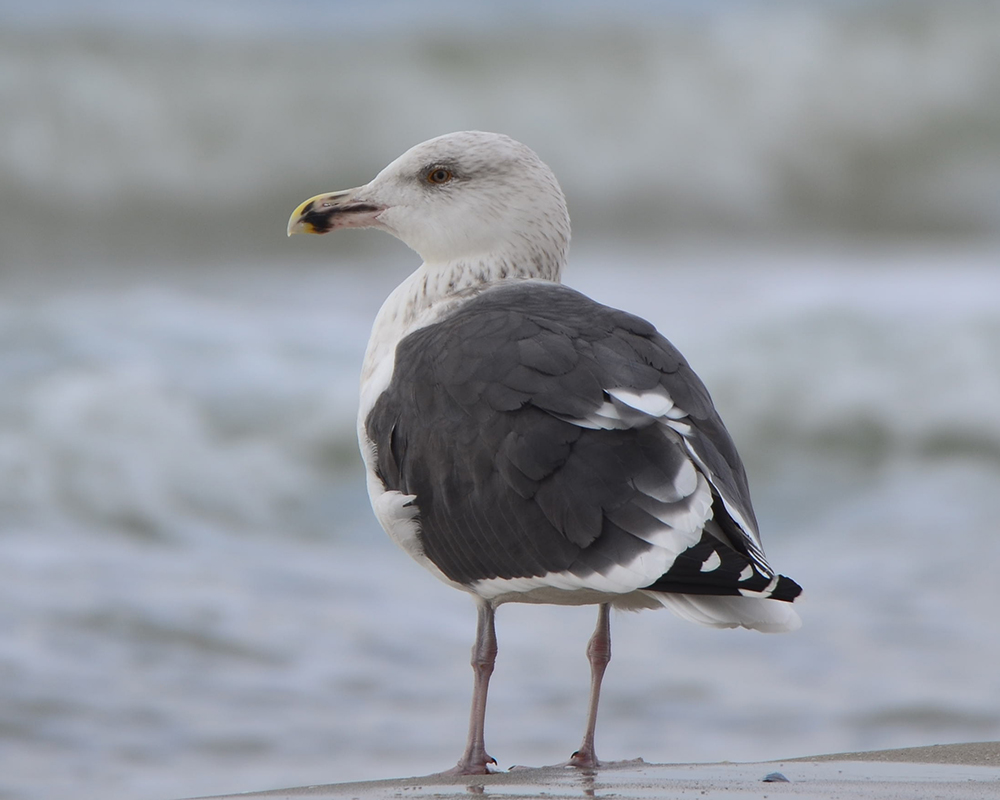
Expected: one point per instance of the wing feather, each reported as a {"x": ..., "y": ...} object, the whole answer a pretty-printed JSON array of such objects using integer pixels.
[{"x": 545, "y": 436}]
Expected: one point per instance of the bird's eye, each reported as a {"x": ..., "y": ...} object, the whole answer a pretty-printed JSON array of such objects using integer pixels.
[{"x": 439, "y": 175}]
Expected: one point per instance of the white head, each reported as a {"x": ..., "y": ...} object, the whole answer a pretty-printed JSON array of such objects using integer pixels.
[{"x": 468, "y": 197}]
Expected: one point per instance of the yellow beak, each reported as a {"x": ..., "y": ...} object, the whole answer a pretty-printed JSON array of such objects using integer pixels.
[{"x": 326, "y": 212}]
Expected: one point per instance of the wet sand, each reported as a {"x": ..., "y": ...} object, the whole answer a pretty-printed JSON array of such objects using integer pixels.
[{"x": 950, "y": 772}]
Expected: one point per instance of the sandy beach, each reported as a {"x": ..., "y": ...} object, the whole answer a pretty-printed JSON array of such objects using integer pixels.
[{"x": 964, "y": 771}]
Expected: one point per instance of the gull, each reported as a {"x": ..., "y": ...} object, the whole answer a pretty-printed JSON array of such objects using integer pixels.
[{"x": 525, "y": 443}]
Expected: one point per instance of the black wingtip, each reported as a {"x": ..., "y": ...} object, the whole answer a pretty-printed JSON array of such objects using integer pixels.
[
  {"x": 713, "y": 568},
  {"x": 786, "y": 590}
]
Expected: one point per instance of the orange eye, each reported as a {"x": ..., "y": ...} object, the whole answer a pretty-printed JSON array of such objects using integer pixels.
[{"x": 439, "y": 175}]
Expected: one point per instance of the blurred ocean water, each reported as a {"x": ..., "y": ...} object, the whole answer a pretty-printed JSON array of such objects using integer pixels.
[
  {"x": 121, "y": 141},
  {"x": 195, "y": 596}
]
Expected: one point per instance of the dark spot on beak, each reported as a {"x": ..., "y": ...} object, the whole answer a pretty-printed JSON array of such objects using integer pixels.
[{"x": 322, "y": 219}]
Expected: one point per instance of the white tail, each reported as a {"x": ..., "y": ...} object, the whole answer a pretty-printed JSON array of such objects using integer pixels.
[{"x": 768, "y": 616}]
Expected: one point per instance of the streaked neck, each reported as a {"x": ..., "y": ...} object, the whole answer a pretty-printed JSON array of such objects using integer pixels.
[{"x": 433, "y": 290}]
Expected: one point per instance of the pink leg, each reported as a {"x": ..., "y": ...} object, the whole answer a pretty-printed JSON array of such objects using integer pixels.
[
  {"x": 484, "y": 654},
  {"x": 599, "y": 654}
]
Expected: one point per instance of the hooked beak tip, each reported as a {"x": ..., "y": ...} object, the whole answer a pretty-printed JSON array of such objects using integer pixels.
[{"x": 301, "y": 220}]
